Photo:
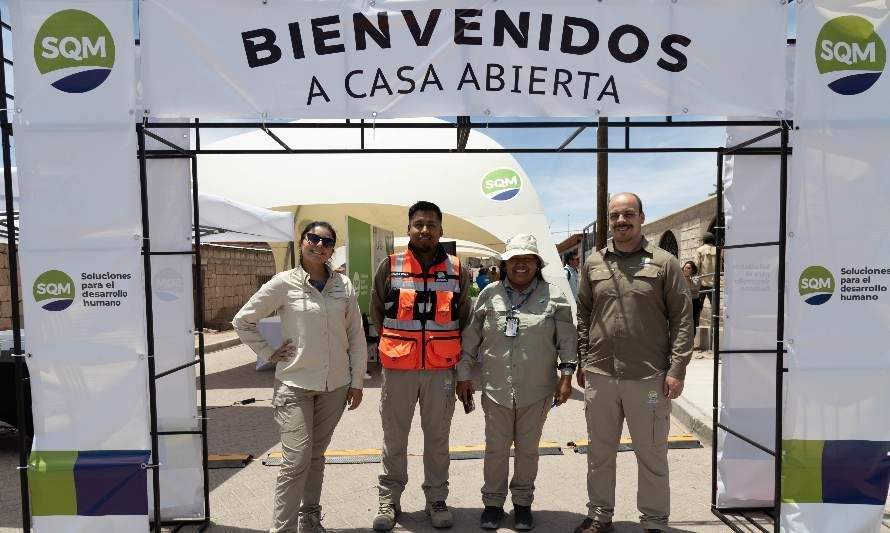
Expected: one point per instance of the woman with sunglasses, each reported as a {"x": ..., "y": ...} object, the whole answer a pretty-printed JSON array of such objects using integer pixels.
[{"x": 320, "y": 369}]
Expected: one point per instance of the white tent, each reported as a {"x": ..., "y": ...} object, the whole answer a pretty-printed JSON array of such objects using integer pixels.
[
  {"x": 378, "y": 188},
  {"x": 463, "y": 248},
  {"x": 225, "y": 220}
]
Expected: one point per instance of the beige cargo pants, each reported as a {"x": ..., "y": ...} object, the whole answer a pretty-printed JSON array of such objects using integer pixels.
[
  {"x": 307, "y": 420},
  {"x": 505, "y": 426},
  {"x": 400, "y": 393},
  {"x": 608, "y": 402}
]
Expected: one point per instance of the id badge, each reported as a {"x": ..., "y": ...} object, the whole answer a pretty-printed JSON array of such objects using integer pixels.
[{"x": 511, "y": 329}]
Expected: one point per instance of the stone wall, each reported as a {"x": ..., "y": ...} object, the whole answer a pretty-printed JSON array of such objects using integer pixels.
[
  {"x": 686, "y": 226},
  {"x": 231, "y": 276}
]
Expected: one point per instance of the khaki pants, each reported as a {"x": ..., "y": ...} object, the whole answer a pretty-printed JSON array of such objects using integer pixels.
[
  {"x": 400, "y": 392},
  {"x": 607, "y": 402},
  {"x": 505, "y": 426},
  {"x": 307, "y": 420}
]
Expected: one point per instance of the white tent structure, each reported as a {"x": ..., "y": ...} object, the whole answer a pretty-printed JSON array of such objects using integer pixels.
[
  {"x": 463, "y": 248},
  {"x": 378, "y": 188},
  {"x": 225, "y": 220}
]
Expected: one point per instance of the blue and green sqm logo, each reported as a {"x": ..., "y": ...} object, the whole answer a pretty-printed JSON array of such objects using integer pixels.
[
  {"x": 54, "y": 290},
  {"x": 501, "y": 185},
  {"x": 850, "y": 54},
  {"x": 816, "y": 285},
  {"x": 74, "y": 50}
]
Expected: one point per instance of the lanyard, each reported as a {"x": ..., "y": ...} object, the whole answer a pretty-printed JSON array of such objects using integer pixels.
[{"x": 516, "y": 307}]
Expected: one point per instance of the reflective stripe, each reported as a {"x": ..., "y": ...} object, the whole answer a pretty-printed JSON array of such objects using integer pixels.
[
  {"x": 405, "y": 325},
  {"x": 398, "y": 263},
  {"x": 401, "y": 283},
  {"x": 447, "y": 326}
]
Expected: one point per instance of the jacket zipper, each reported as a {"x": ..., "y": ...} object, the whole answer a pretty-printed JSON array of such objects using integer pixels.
[{"x": 423, "y": 321}]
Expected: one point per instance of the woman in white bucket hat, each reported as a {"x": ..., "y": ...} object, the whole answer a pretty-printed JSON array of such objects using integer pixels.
[{"x": 521, "y": 333}]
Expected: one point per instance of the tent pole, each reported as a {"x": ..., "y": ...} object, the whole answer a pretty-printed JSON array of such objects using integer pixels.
[{"x": 602, "y": 182}]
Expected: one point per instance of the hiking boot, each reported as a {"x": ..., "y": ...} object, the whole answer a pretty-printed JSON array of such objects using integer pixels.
[
  {"x": 386, "y": 516},
  {"x": 491, "y": 517},
  {"x": 311, "y": 523},
  {"x": 522, "y": 518},
  {"x": 440, "y": 515},
  {"x": 589, "y": 525}
]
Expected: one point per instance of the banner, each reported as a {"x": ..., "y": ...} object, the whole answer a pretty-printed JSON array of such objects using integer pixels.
[
  {"x": 358, "y": 261},
  {"x": 746, "y": 474},
  {"x": 841, "y": 58},
  {"x": 836, "y": 440},
  {"x": 397, "y": 58},
  {"x": 82, "y": 275},
  {"x": 170, "y": 217}
]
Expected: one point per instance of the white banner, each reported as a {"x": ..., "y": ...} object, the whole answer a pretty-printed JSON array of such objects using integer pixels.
[
  {"x": 836, "y": 440},
  {"x": 170, "y": 222},
  {"x": 82, "y": 275},
  {"x": 75, "y": 62},
  {"x": 841, "y": 58},
  {"x": 397, "y": 58},
  {"x": 79, "y": 186}
]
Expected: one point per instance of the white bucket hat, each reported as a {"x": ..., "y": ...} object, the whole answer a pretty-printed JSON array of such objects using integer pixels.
[{"x": 522, "y": 244}]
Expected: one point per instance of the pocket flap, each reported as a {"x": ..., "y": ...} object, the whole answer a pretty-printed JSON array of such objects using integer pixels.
[
  {"x": 395, "y": 347},
  {"x": 648, "y": 271},
  {"x": 600, "y": 274},
  {"x": 447, "y": 347}
]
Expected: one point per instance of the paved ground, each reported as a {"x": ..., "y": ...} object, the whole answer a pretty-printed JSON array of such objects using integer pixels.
[{"x": 241, "y": 498}]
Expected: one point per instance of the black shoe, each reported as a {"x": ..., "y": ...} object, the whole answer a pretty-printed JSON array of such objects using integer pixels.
[
  {"x": 522, "y": 517},
  {"x": 491, "y": 517},
  {"x": 589, "y": 525}
]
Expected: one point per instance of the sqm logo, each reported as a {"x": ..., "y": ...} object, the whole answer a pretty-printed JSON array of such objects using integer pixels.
[
  {"x": 54, "y": 290},
  {"x": 167, "y": 285},
  {"x": 816, "y": 285},
  {"x": 74, "y": 50},
  {"x": 502, "y": 184},
  {"x": 850, "y": 55}
]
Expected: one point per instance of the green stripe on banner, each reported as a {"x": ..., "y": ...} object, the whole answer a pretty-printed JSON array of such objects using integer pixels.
[
  {"x": 802, "y": 471},
  {"x": 51, "y": 483}
]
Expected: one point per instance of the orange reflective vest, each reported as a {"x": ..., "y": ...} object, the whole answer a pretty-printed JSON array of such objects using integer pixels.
[{"x": 420, "y": 325}]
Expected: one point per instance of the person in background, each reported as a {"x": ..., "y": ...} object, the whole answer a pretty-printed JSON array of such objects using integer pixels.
[
  {"x": 522, "y": 334},
  {"x": 420, "y": 302},
  {"x": 482, "y": 278},
  {"x": 320, "y": 369},
  {"x": 635, "y": 341},
  {"x": 493, "y": 274},
  {"x": 572, "y": 261},
  {"x": 706, "y": 262},
  {"x": 690, "y": 272}
]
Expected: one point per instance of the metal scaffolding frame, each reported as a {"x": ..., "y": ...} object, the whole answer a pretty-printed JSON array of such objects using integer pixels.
[{"x": 462, "y": 127}]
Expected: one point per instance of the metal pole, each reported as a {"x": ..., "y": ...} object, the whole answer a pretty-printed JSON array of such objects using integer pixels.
[
  {"x": 12, "y": 251},
  {"x": 602, "y": 182},
  {"x": 199, "y": 325},
  {"x": 715, "y": 300},
  {"x": 780, "y": 324},
  {"x": 149, "y": 332}
]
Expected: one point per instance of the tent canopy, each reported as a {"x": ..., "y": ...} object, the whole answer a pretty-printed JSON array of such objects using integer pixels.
[
  {"x": 377, "y": 188},
  {"x": 464, "y": 248},
  {"x": 225, "y": 220}
]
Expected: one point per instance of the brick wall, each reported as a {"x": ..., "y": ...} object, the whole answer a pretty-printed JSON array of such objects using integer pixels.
[
  {"x": 231, "y": 276},
  {"x": 5, "y": 294}
]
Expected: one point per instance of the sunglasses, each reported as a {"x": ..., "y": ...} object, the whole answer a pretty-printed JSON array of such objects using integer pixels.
[{"x": 314, "y": 239}]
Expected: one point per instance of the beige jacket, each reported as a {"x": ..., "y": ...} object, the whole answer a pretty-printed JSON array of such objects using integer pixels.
[
  {"x": 522, "y": 370},
  {"x": 325, "y": 329}
]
